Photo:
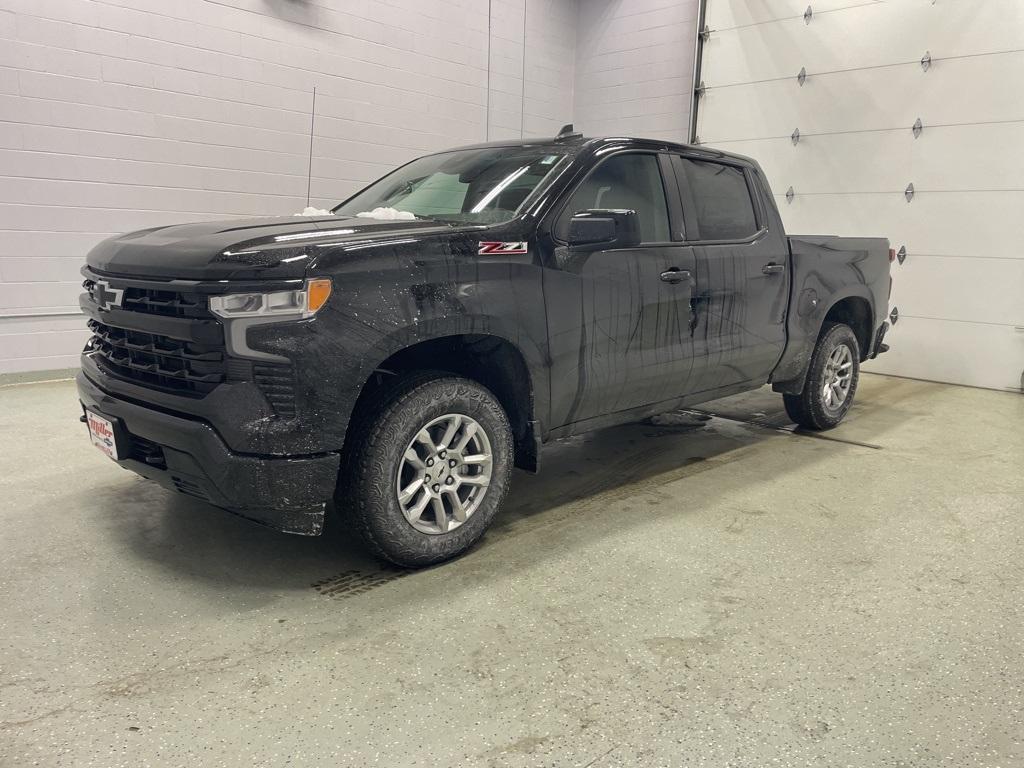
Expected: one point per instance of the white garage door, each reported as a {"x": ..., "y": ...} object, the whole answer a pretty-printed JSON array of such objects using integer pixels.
[{"x": 960, "y": 291}]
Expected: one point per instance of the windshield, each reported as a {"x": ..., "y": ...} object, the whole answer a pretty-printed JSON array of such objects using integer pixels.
[{"x": 478, "y": 186}]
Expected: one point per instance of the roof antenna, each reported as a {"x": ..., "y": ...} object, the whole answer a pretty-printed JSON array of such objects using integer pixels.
[
  {"x": 309, "y": 173},
  {"x": 567, "y": 133}
]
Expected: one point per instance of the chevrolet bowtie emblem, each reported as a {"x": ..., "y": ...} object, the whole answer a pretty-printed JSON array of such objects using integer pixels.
[{"x": 105, "y": 296}]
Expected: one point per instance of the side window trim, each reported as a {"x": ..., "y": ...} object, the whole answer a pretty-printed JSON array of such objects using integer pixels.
[
  {"x": 557, "y": 218},
  {"x": 690, "y": 202},
  {"x": 673, "y": 197},
  {"x": 762, "y": 195}
]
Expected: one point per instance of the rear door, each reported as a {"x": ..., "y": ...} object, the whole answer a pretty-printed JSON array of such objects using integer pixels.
[
  {"x": 741, "y": 286},
  {"x": 620, "y": 320}
]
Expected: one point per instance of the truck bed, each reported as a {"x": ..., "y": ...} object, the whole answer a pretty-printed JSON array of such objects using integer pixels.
[{"x": 845, "y": 276}]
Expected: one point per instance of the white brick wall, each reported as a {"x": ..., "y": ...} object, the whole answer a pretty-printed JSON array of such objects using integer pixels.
[
  {"x": 505, "y": 57},
  {"x": 122, "y": 114},
  {"x": 634, "y": 67},
  {"x": 550, "y": 64},
  {"x": 535, "y": 98}
]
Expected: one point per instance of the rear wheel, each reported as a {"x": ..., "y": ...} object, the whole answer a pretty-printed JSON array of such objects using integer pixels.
[
  {"x": 831, "y": 380},
  {"x": 426, "y": 474}
]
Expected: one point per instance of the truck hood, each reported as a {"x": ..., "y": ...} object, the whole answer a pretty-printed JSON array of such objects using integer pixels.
[{"x": 246, "y": 248}]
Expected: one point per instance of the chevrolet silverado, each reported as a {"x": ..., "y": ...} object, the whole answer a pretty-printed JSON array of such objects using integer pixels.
[{"x": 399, "y": 355}]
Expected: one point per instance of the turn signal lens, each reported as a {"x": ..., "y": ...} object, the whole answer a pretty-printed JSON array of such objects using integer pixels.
[{"x": 317, "y": 293}]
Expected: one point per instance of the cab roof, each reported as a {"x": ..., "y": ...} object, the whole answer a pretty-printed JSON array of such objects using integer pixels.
[{"x": 577, "y": 144}]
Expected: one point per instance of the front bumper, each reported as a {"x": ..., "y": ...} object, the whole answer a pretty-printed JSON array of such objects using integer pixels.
[{"x": 289, "y": 493}]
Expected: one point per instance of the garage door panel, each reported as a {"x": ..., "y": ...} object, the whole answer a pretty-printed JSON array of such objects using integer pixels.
[
  {"x": 867, "y": 100},
  {"x": 900, "y": 32},
  {"x": 934, "y": 223},
  {"x": 860, "y": 162},
  {"x": 888, "y": 160},
  {"x": 969, "y": 157},
  {"x": 727, "y": 14},
  {"x": 947, "y": 350},
  {"x": 959, "y": 291},
  {"x": 961, "y": 288}
]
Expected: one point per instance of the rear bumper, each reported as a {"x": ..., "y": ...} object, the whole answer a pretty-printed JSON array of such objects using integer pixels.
[{"x": 285, "y": 493}]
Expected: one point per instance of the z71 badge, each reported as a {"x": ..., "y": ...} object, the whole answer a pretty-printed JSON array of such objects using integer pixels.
[{"x": 488, "y": 248}]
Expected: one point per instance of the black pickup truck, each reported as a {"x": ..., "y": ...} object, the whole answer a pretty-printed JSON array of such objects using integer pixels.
[{"x": 402, "y": 354}]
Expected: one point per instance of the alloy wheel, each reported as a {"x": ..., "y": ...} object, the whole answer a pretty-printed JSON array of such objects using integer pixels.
[
  {"x": 838, "y": 376},
  {"x": 444, "y": 473}
]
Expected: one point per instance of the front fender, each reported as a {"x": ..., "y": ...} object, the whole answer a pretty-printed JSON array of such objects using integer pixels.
[{"x": 390, "y": 296}]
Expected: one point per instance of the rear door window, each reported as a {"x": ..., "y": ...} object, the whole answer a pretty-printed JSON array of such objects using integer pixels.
[{"x": 722, "y": 205}]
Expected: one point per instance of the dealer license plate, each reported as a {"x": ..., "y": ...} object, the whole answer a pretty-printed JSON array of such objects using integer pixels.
[{"x": 102, "y": 433}]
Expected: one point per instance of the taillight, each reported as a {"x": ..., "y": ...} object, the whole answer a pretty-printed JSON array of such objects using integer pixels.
[{"x": 892, "y": 255}]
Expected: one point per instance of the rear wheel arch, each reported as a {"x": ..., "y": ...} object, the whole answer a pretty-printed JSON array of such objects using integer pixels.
[
  {"x": 851, "y": 308},
  {"x": 829, "y": 374},
  {"x": 855, "y": 312}
]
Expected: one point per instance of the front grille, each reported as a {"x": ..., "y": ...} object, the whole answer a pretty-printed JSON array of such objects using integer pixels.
[
  {"x": 155, "y": 301},
  {"x": 174, "y": 365},
  {"x": 166, "y": 363}
]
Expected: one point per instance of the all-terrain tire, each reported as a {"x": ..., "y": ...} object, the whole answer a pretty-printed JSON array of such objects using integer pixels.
[
  {"x": 373, "y": 456},
  {"x": 810, "y": 409}
]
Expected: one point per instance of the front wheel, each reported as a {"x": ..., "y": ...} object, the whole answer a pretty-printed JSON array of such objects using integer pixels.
[
  {"x": 427, "y": 474},
  {"x": 831, "y": 380}
]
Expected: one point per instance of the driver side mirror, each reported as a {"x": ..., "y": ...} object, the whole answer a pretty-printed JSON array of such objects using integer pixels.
[{"x": 601, "y": 229}]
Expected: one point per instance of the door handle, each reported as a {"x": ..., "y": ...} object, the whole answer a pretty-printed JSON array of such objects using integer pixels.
[
  {"x": 676, "y": 275},
  {"x": 771, "y": 268}
]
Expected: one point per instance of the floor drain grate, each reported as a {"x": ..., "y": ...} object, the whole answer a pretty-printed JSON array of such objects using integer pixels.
[{"x": 352, "y": 583}]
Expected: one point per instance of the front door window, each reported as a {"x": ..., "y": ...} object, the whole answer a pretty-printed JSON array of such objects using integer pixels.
[{"x": 628, "y": 182}]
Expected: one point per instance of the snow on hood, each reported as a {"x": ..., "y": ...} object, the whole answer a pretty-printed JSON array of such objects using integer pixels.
[
  {"x": 381, "y": 214},
  {"x": 387, "y": 214}
]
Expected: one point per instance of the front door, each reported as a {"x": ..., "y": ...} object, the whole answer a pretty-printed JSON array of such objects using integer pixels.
[{"x": 620, "y": 321}]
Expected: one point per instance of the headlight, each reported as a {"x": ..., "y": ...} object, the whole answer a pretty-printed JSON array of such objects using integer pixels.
[{"x": 285, "y": 305}]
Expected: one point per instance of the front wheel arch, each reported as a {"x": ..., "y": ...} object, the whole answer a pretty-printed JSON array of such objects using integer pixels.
[{"x": 490, "y": 360}]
